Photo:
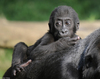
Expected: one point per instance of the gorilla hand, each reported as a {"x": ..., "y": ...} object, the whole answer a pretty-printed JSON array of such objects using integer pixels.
[
  {"x": 67, "y": 41},
  {"x": 20, "y": 68}
]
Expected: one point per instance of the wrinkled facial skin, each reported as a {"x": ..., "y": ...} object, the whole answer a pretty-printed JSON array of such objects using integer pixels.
[
  {"x": 64, "y": 26},
  {"x": 91, "y": 68}
]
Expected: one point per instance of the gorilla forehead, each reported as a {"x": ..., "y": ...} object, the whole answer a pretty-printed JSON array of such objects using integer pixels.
[{"x": 63, "y": 11}]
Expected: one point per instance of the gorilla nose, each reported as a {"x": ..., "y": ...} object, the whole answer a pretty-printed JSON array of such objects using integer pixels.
[{"x": 64, "y": 31}]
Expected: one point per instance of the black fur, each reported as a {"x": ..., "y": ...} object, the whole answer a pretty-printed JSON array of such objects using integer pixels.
[
  {"x": 60, "y": 37},
  {"x": 65, "y": 64}
]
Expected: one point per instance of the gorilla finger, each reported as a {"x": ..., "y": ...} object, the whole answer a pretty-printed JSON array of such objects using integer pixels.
[
  {"x": 21, "y": 68},
  {"x": 72, "y": 43},
  {"x": 18, "y": 69},
  {"x": 74, "y": 39},
  {"x": 79, "y": 37},
  {"x": 14, "y": 72},
  {"x": 26, "y": 64}
]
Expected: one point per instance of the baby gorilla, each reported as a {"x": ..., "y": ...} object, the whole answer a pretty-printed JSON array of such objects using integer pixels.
[{"x": 63, "y": 24}]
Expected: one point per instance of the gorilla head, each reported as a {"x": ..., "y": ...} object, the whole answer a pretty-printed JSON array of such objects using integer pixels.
[
  {"x": 63, "y": 22},
  {"x": 91, "y": 60}
]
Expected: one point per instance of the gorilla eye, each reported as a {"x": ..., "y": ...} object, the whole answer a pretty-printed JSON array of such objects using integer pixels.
[
  {"x": 68, "y": 22},
  {"x": 58, "y": 23}
]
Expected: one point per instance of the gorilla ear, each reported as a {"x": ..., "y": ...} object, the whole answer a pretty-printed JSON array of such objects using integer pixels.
[
  {"x": 50, "y": 27},
  {"x": 77, "y": 26},
  {"x": 88, "y": 60}
]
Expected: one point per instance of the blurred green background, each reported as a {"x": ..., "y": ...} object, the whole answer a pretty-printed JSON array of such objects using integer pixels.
[
  {"x": 40, "y": 10},
  {"x": 5, "y": 59}
]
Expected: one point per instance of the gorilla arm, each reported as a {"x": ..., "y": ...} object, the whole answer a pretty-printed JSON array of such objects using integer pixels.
[{"x": 49, "y": 45}]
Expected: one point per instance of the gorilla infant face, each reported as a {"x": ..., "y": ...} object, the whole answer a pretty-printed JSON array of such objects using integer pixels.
[
  {"x": 64, "y": 26},
  {"x": 63, "y": 22}
]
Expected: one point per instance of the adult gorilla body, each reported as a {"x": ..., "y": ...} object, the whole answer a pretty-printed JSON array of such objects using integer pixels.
[
  {"x": 63, "y": 25},
  {"x": 78, "y": 62}
]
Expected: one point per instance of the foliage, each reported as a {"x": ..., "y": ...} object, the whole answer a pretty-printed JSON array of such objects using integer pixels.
[
  {"x": 5, "y": 60},
  {"x": 40, "y": 10}
]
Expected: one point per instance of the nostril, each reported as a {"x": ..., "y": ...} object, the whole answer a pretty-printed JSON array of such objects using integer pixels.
[{"x": 64, "y": 31}]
